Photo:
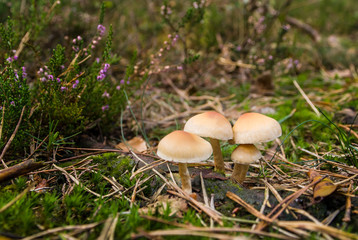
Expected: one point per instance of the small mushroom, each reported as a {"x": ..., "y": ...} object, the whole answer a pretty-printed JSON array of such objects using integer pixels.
[
  {"x": 251, "y": 128},
  {"x": 243, "y": 156},
  {"x": 214, "y": 126},
  {"x": 182, "y": 148}
]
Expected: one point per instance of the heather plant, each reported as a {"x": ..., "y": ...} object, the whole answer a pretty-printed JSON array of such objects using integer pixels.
[
  {"x": 14, "y": 91},
  {"x": 75, "y": 90}
]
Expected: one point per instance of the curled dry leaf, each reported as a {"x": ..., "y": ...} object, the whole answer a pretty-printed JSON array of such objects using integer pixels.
[
  {"x": 323, "y": 188},
  {"x": 177, "y": 206},
  {"x": 137, "y": 144}
]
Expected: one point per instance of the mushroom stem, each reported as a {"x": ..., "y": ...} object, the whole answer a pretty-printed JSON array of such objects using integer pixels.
[
  {"x": 239, "y": 173},
  {"x": 185, "y": 178},
  {"x": 218, "y": 157}
]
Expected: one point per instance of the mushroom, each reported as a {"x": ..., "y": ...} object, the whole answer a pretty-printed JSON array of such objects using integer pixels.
[
  {"x": 253, "y": 128},
  {"x": 243, "y": 156},
  {"x": 214, "y": 126},
  {"x": 182, "y": 148}
]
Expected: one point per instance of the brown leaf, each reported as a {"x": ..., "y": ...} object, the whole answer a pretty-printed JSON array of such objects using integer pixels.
[
  {"x": 177, "y": 206},
  {"x": 323, "y": 188},
  {"x": 137, "y": 144}
]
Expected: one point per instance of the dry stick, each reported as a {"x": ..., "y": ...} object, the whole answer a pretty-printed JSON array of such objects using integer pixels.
[
  {"x": 11, "y": 138},
  {"x": 42, "y": 142},
  {"x": 278, "y": 197},
  {"x": 247, "y": 206},
  {"x": 211, "y": 230},
  {"x": 76, "y": 181},
  {"x": 263, "y": 206},
  {"x": 339, "y": 234},
  {"x": 60, "y": 229},
  {"x": 306, "y": 98},
  {"x": 147, "y": 167},
  {"x": 285, "y": 203},
  {"x": 309, "y": 216},
  {"x": 19, "y": 169},
  {"x": 347, "y": 214},
  {"x": 134, "y": 192}
]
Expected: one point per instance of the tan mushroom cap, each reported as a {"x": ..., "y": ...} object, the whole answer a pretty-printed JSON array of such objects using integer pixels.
[
  {"x": 210, "y": 124},
  {"x": 245, "y": 154},
  {"x": 184, "y": 147},
  {"x": 256, "y": 128}
]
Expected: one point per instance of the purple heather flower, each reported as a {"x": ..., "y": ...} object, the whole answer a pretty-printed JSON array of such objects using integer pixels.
[
  {"x": 50, "y": 77},
  {"x": 62, "y": 66},
  {"x": 79, "y": 38},
  {"x": 128, "y": 82},
  {"x": 122, "y": 81},
  {"x": 296, "y": 62},
  {"x": 12, "y": 103},
  {"x": 9, "y": 59},
  {"x": 76, "y": 83},
  {"x": 63, "y": 89},
  {"x": 238, "y": 48},
  {"x": 43, "y": 79},
  {"x": 58, "y": 80},
  {"x": 101, "y": 29},
  {"x": 74, "y": 41},
  {"x": 97, "y": 60},
  {"x": 118, "y": 87},
  {"x": 195, "y": 5},
  {"x": 105, "y": 94},
  {"x": 16, "y": 57},
  {"x": 101, "y": 76},
  {"x": 0, "y": 107},
  {"x": 105, "y": 107},
  {"x": 106, "y": 67},
  {"x": 179, "y": 67},
  {"x": 270, "y": 57}
]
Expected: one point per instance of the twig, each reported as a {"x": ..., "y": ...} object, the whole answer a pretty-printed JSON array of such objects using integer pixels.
[
  {"x": 11, "y": 138},
  {"x": 61, "y": 229},
  {"x": 306, "y": 98},
  {"x": 247, "y": 206},
  {"x": 339, "y": 234},
  {"x": 347, "y": 214},
  {"x": 313, "y": 33},
  {"x": 76, "y": 181},
  {"x": 19, "y": 169},
  {"x": 285, "y": 203}
]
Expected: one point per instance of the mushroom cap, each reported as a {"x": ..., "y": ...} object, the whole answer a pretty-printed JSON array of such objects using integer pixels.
[
  {"x": 210, "y": 124},
  {"x": 184, "y": 147},
  {"x": 245, "y": 154},
  {"x": 256, "y": 128}
]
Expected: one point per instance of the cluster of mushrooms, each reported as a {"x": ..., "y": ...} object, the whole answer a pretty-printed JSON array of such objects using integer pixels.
[{"x": 188, "y": 146}]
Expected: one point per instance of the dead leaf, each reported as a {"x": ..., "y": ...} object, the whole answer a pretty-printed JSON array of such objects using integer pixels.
[
  {"x": 177, "y": 206},
  {"x": 323, "y": 188},
  {"x": 137, "y": 144}
]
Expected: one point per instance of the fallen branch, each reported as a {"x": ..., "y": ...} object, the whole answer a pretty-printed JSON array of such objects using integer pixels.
[{"x": 19, "y": 169}]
